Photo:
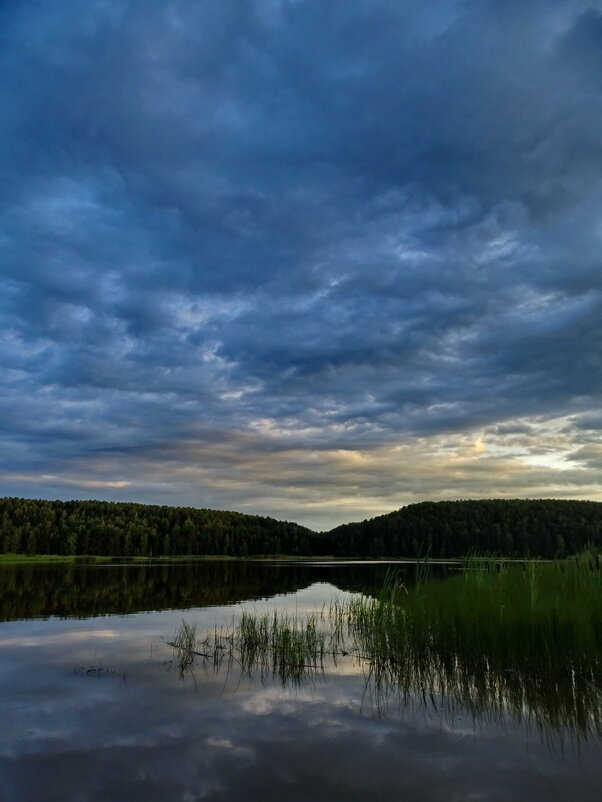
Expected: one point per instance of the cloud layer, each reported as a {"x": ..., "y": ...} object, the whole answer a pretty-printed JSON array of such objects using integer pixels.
[{"x": 313, "y": 260}]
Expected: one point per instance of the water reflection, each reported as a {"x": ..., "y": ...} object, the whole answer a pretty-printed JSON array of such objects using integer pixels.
[
  {"x": 137, "y": 732},
  {"x": 563, "y": 707},
  {"x": 82, "y": 590},
  {"x": 65, "y": 736}
]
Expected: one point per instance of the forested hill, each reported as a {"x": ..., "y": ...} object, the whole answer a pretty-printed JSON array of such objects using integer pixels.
[
  {"x": 513, "y": 527},
  {"x": 544, "y": 528},
  {"x": 29, "y": 526}
]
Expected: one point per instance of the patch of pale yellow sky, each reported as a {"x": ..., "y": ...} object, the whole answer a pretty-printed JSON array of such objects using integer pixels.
[{"x": 263, "y": 473}]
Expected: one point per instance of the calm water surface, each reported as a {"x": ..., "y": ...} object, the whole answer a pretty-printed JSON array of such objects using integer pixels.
[{"x": 92, "y": 706}]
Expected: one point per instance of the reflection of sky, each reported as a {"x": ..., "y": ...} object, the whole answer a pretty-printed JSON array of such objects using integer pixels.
[{"x": 142, "y": 734}]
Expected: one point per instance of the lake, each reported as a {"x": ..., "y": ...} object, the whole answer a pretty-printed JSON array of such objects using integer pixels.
[{"x": 93, "y": 705}]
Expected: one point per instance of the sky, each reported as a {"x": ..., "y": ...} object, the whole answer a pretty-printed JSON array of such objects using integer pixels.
[{"x": 313, "y": 259}]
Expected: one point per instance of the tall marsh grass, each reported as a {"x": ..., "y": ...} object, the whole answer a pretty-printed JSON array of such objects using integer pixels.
[
  {"x": 497, "y": 639},
  {"x": 534, "y": 616}
]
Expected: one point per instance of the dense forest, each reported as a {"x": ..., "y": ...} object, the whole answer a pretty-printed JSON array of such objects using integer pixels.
[
  {"x": 29, "y": 526},
  {"x": 544, "y": 528},
  {"x": 511, "y": 527}
]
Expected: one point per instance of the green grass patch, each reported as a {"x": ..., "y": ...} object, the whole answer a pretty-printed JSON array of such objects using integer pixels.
[{"x": 36, "y": 558}]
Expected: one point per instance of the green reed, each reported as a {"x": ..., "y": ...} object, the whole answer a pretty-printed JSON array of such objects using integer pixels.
[
  {"x": 279, "y": 644},
  {"x": 184, "y": 646}
]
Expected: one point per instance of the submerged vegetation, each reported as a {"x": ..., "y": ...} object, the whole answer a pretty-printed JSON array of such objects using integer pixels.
[
  {"x": 497, "y": 640},
  {"x": 521, "y": 528}
]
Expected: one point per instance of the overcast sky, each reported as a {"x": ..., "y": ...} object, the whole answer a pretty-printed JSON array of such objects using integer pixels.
[{"x": 315, "y": 259}]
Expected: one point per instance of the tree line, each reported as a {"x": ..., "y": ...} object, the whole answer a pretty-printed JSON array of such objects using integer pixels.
[
  {"x": 31, "y": 526},
  {"x": 514, "y": 527},
  {"x": 508, "y": 527}
]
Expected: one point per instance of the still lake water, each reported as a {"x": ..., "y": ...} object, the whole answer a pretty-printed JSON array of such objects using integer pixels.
[{"x": 92, "y": 706}]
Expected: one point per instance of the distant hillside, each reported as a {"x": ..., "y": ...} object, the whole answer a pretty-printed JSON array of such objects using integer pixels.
[
  {"x": 544, "y": 528},
  {"x": 29, "y": 526}
]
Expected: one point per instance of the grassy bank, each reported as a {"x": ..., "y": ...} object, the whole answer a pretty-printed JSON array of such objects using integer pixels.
[
  {"x": 74, "y": 558},
  {"x": 37, "y": 558}
]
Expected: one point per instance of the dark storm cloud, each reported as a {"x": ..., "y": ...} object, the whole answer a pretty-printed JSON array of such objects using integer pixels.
[{"x": 350, "y": 223}]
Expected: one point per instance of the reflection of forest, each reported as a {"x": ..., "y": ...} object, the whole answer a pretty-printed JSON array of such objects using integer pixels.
[{"x": 82, "y": 590}]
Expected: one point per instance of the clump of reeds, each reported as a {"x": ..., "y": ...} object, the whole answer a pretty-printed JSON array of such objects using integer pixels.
[
  {"x": 184, "y": 646},
  {"x": 281, "y": 643},
  {"x": 185, "y": 637}
]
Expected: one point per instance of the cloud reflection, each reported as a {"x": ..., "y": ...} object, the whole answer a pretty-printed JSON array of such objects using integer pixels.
[{"x": 71, "y": 737}]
